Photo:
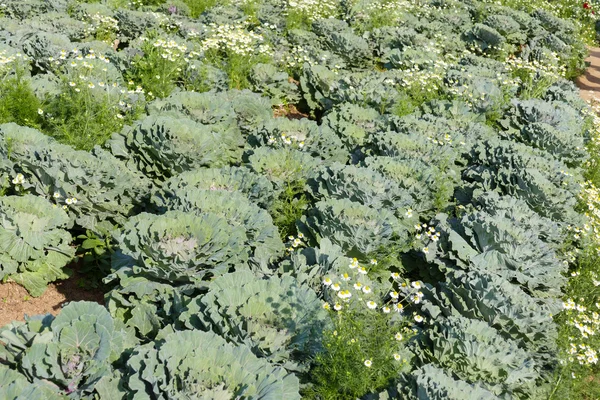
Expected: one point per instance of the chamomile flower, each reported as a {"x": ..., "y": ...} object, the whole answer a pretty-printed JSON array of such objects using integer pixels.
[
  {"x": 418, "y": 318},
  {"x": 368, "y": 363},
  {"x": 394, "y": 295},
  {"x": 373, "y": 261},
  {"x": 358, "y": 286},
  {"x": 398, "y": 307},
  {"x": 344, "y": 294},
  {"x": 337, "y": 307},
  {"x": 371, "y": 305},
  {"x": 346, "y": 277},
  {"x": 336, "y": 286},
  {"x": 398, "y": 336},
  {"x": 19, "y": 179},
  {"x": 326, "y": 306},
  {"x": 327, "y": 281},
  {"x": 366, "y": 289},
  {"x": 416, "y": 285},
  {"x": 362, "y": 270},
  {"x": 395, "y": 275},
  {"x": 386, "y": 309},
  {"x": 397, "y": 357}
]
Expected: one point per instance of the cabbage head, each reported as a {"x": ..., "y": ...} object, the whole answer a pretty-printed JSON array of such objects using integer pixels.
[
  {"x": 14, "y": 385},
  {"x": 476, "y": 353},
  {"x": 431, "y": 382},
  {"x": 178, "y": 248}
]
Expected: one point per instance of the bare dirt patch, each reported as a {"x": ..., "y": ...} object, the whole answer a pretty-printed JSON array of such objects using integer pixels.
[
  {"x": 289, "y": 111},
  {"x": 15, "y": 302}
]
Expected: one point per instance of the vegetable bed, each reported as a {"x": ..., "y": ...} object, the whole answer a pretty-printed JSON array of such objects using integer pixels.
[{"x": 314, "y": 199}]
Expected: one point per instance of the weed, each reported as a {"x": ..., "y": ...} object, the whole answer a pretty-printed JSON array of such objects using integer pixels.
[{"x": 289, "y": 207}]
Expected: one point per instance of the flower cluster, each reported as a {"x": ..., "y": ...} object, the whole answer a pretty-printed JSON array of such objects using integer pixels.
[
  {"x": 167, "y": 22},
  {"x": 392, "y": 11},
  {"x": 313, "y": 9},
  {"x": 19, "y": 179},
  {"x": 422, "y": 80},
  {"x": 169, "y": 50},
  {"x": 295, "y": 242},
  {"x": 89, "y": 74},
  {"x": 353, "y": 289},
  {"x": 69, "y": 201},
  {"x": 583, "y": 354},
  {"x": 235, "y": 39},
  {"x": 586, "y": 322},
  {"x": 102, "y": 27},
  {"x": 162, "y": 65},
  {"x": 355, "y": 300},
  {"x": 289, "y": 140},
  {"x": 426, "y": 234},
  {"x": 9, "y": 61},
  {"x": 296, "y": 57},
  {"x": 552, "y": 69},
  {"x": 590, "y": 194}
]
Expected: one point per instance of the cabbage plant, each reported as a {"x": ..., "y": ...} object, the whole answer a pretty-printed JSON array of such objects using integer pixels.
[
  {"x": 262, "y": 241},
  {"x": 163, "y": 146},
  {"x": 202, "y": 365},
  {"x": 363, "y": 185},
  {"x": 34, "y": 244},
  {"x": 276, "y": 317},
  {"x": 68, "y": 354},
  {"x": 104, "y": 188},
  {"x": 256, "y": 187},
  {"x": 476, "y": 353},
  {"x": 361, "y": 231}
]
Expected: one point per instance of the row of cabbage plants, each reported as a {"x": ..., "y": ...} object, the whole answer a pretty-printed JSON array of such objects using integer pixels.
[{"x": 321, "y": 199}]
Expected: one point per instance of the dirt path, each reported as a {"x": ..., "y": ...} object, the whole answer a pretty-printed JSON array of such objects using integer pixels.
[{"x": 589, "y": 83}]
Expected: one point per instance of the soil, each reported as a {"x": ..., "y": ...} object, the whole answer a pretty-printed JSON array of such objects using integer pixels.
[
  {"x": 289, "y": 111},
  {"x": 15, "y": 301}
]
